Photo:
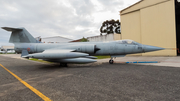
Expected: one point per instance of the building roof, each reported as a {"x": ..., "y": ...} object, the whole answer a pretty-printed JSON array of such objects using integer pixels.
[
  {"x": 100, "y": 35},
  {"x": 78, "y": 40},
  {"x": 140, "y": 5},
  {"x": 57, "y": 37},
  {"x": 7, "y": 47},
  {"x": 131, "y": 6}
]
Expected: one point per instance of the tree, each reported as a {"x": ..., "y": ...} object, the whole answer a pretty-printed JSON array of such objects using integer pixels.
[
  {"x": 111, "y": 26},
  {"x": 84, "y": 40}
]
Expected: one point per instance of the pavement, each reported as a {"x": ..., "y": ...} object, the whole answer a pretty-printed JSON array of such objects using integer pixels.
[
  {"x": 98, "y": 81},
  {"x": 162, "y": 61}
]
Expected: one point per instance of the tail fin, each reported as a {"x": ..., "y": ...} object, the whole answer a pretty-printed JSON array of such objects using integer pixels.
[{"x": 20, "y": 35}]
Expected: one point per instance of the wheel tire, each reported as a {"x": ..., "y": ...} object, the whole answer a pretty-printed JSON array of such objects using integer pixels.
[{"x": 111, "y": 61}]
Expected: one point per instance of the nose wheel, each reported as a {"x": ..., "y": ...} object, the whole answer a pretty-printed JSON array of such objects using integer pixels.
[{"x": 111, "y": 61}]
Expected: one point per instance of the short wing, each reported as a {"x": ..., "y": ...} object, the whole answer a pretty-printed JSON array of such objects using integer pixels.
[
  {"x": 56, "y": 54},
  {"x": 72, "y": 60},
  {"x": 57, "y": 50}
]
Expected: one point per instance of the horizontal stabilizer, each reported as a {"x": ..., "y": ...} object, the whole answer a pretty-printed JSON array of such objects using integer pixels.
[
  {"x": 12, "y": 29},
  {"x": 24, "y": 54}
]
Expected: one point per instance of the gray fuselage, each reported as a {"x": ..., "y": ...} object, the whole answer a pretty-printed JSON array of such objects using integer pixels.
[{"x": 105, "y": 48}]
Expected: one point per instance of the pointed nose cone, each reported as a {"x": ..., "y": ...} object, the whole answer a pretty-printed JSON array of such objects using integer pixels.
[{"x": 148, "y": 48}]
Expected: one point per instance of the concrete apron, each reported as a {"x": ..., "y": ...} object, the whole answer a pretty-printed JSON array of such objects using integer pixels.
[
  {"x": 156, "y": 61},
  {"x": 162, "y": 61}
]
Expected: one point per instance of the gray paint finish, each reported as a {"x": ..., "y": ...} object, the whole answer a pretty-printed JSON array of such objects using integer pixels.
[{"x": 73, "y": 52}]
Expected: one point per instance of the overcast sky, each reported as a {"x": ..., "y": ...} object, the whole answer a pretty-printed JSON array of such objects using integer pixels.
[{"x": 73, "y": 19}]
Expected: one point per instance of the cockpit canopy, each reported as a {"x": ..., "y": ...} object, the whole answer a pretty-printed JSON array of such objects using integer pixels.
[{"x": 127, "y": 41}]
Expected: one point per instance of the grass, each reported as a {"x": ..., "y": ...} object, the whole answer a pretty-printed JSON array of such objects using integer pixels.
[
  {"x": 102, "y": 57},
  {"x": 33, "y": 59}
]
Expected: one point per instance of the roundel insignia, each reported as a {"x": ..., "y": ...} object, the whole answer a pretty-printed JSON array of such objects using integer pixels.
[{"x": 28, "y": 49}]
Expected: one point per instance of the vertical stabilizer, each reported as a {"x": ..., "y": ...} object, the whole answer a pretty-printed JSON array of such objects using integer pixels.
[{"x": 20, "y": 35}]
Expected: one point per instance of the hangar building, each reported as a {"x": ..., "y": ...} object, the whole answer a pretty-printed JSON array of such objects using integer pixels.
[
  {"x": 55, "y": 39},
  {"x": 153, "y": 22},
  {"x": 107, "y": 37},
  {"x": 6, "y": 48}
]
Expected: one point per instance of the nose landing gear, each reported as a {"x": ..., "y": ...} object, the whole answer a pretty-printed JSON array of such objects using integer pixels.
[{"x": 111, "y": 61}]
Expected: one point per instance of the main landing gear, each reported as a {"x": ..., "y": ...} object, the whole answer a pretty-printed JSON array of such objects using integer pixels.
[{"x": 63, "y": 65}]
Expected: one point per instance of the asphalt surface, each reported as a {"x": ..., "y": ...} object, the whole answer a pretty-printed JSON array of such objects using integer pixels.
[{"x": 102, "y": 82}]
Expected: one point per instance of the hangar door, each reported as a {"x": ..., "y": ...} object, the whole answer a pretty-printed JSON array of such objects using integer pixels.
[{"x": 177, "y": 12}]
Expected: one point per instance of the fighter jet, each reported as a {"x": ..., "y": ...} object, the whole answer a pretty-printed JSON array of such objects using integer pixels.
[{"x": 77, "y": 52}]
